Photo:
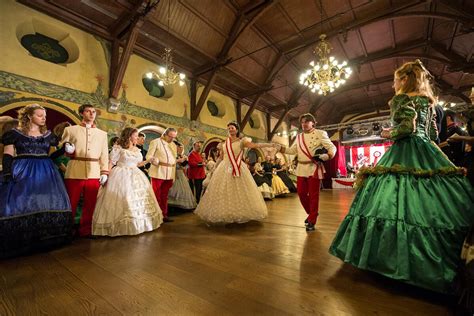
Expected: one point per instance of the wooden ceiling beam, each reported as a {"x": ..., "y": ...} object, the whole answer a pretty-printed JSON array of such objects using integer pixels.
[
  {"x": 384, "y": 15},
  {"x": 238, "y": 110},
  {"x": 255, "y": 91},
  {"x": 446, "y": 88},
  {"x": 278, "y": 107},
  {"x": 358, "y": 85},
  {"x": 245, "y": 18},
  {"x": 387, "y": 53},
  {"x": 278, "y": 123},
  {"x": 123, "y": 22},
  {"x": 453, "y": 5},
  {"x": 268, "y": 118},
  {"x": 270, "y": 77},
  {"x": 117, "y": 71},
  {"x": 457, "y": 62},
  {"x": 240, "y": 24},
  {"x": 69, "y": 17},
  {"x": 119, "y": 64}
]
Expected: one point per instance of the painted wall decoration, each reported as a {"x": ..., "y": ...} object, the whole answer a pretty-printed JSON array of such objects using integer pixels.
[{"x": 188, "y": 130}]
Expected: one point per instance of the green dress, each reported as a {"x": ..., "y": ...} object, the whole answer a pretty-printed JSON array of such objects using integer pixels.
[{"x": 413, "y": 210}]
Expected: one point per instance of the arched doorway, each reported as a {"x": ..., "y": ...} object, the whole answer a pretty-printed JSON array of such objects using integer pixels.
[
  {"x": 210, "y": 145},
  {"x": 151, "y": 132},
  {"x": 55, "y": 112}
]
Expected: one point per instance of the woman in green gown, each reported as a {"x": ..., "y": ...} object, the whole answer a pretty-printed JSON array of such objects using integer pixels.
[{"x": 413, "y": 210}]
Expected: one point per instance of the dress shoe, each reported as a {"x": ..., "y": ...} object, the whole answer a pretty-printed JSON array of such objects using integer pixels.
[
  {"x": 306, "y": 222},
  {"x": 167, "y": 220},
  {"x": 310, "y": 227}
]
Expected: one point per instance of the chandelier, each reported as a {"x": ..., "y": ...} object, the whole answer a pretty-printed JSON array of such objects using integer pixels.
[
  {"x": 327, "y": 74},
  {"x": 167, "y": 75}
]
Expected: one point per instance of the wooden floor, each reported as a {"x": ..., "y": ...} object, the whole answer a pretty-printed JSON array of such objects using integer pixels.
[{"x": 188, "y": 268}]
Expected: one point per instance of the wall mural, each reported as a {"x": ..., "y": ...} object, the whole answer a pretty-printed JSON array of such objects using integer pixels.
[{"x": 188, "y": 130}]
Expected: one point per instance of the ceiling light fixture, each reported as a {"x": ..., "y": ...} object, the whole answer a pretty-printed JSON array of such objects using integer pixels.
[
  {"x": 166, "y": 74},
  {"x": 327, "y": 74}
]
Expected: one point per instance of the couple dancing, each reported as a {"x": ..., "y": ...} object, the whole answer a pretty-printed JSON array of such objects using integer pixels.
[{"x": 232, "y": 195}]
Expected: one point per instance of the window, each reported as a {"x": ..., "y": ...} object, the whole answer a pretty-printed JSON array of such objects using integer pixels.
[
  {"x": 254, "y": 121},
  {"x": 47, "y": 42},
  {"x": 154, "y": 89},
  {"x": 213, "y": 109}
]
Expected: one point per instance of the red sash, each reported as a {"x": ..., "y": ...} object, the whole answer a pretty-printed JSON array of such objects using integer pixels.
[
  {"x": 320, "y": 170},
  {"x": 235, "y": 161}
]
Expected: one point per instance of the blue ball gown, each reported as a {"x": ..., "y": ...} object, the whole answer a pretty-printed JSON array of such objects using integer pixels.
[{"x": 35, "y": 213}]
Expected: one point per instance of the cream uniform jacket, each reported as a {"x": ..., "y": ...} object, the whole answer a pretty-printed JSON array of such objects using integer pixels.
[
  {"x": 313, "y": 140},
  {"x": 166, "y": 154},
  {"x": 91, "y": 158}
]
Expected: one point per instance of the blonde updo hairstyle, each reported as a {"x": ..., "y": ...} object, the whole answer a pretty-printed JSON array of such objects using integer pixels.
[
  {"x": 418, "y": 80},
  {"x": 24, "y": 118}
]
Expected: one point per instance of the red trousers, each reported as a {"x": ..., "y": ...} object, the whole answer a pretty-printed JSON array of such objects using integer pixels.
[
  {"x": 89, "y": 188},
  {"x": 161, "y": 188},
  {"x": 308, "y": 191}
]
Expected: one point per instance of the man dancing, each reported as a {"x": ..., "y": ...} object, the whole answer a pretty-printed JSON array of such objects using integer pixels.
[
  {"x": 88, "y": 167},
  {"x": 311, "y": 147},
  {"x": 162, "y": 171}
]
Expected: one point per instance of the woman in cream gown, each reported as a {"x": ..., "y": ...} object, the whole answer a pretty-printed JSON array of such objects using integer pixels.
[
  {"x": 232, "y": 195},
  {"x": 126, "y": 205}
]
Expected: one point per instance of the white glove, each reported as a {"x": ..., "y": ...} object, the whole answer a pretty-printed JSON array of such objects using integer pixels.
[
  {"x": 154, "y": 161},
  {"x": 103, "y": 179},
  {"x": 70, "y": 148},
  {"x": 324, "y": 157}
]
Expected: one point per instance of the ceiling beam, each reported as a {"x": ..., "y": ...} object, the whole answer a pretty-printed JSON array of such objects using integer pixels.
[
  {"x": 123, "y": 22},
  {"x": 270, "y": 77},
  {"x": 69, "y": 17},
  {"x": 453, "y": 5},
  {"x": 244, "y": 19},
  {"x": 268, "y": 118},
  {"x": 119, "y": 64},
  {"x": 278, "y": 123},
  {"x": 358, "y": 85},
  {"x": 238, "y": 111},
  {"x": 255, "y": 91},
  {"x": 457, "y": 62}
]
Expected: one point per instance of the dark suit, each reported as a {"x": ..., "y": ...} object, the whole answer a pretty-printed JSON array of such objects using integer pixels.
[{"x": 144, "y": 152}]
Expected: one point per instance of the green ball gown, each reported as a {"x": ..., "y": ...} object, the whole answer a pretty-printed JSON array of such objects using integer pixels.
[{"x": 413, "y": 210}]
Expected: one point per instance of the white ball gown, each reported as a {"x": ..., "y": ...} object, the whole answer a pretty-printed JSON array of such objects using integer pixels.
[
  {"x": 180, "y": 194},
  {"x": 232, "y": 198},
  {"x": 126, "y": 205}
]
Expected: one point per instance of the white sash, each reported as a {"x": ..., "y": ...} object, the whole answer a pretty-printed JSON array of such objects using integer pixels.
[{"x": 233, "y": 160}]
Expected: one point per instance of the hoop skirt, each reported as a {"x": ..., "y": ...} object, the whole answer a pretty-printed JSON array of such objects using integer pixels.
[
  {"x": 180, "y": 194},
  {"x": 409, "y": 219},
  {"x": 35, "y": 213},
  {"x": 230, "y": 199},
  {"x": 126, "y": 205}
]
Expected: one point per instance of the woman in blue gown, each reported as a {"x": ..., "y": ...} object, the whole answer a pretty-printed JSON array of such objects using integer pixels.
[{"x": 35, "y": 213}]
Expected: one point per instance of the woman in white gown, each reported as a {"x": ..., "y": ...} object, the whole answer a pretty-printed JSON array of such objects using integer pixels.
[
  {"x": 180, "y": 194},
  {"x": 232, "y": 195},
  {"x": 127, "y": 204}
]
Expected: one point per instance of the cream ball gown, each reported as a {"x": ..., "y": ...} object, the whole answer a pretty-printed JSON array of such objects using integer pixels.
[{"x": 229, "y": 198}]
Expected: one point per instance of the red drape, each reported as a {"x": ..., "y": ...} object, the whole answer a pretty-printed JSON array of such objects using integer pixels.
[{"x": 338, "y": 162}]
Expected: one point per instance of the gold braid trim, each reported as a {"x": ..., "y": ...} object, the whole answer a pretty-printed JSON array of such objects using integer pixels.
[{"x": 365, "y": 172}]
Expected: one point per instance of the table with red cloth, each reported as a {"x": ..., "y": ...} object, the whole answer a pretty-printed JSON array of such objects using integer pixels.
[{"x": 342, "y": 183}]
